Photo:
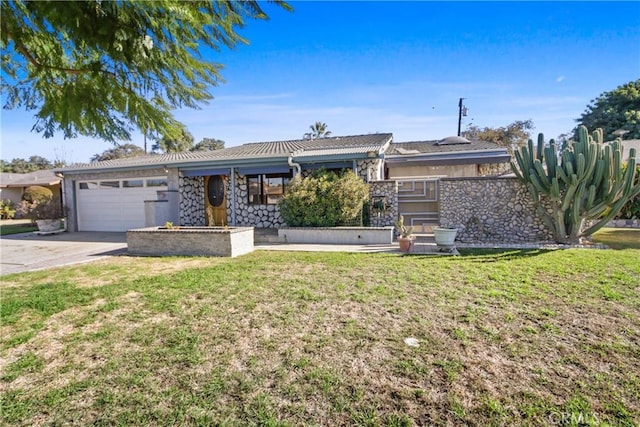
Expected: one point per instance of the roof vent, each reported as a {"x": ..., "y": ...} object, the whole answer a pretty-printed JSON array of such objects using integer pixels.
[
  {"x": 453, "y": 140},
  {"x": 405, "y": 151}
]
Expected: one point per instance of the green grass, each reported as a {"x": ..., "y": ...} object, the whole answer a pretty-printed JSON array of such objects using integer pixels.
[
  {"x": 16, "y": 228},
  {"x": 506, "y": 338},
  {"x": 619, "y": 238}
]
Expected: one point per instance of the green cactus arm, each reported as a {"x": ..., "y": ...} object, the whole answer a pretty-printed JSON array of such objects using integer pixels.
[
  {"x": 516, "y": 172},
  {"x": 535, "y": 180},
  {"x": 535, "y": 195},
  {"x": 540, "y": 146},
  {"x": 563, "y": 176},
  {"x": 571, "y": 196},
  {"x": 550, "y": 159},
  {"x": 568, "y": 167},
  {"x": 555, "y": 189},
  {"x": 531, "y": 150},
  {"x": 581, "y": 166},
  {"x": 544, "y": 180},
  {"x": 599, "y": 170},
  {"x": 591, "y": 197}
]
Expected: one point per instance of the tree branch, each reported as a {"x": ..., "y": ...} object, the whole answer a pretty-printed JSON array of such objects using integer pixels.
[{"x": 23, "y": 50}]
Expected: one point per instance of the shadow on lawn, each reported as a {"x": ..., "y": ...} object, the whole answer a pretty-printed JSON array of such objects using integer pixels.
[{"x": 495, "y": 255}]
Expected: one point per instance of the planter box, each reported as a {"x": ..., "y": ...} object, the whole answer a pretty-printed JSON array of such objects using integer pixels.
[
  {"x": 337, "y": 235},
  {"x": 194, "y": 241}
]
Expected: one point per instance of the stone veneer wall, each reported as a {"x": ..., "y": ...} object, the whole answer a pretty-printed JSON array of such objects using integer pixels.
[
  {"x": 261, "y": 216},
  {"x": 192, "y": 200},
  {"x": 388, "y": 190},
  {"x": 370, "y": 169},
  {"x": 490, "y": 210}
]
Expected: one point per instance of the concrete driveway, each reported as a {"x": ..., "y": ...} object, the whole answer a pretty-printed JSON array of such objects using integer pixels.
[{"x": 29, "y": 252}]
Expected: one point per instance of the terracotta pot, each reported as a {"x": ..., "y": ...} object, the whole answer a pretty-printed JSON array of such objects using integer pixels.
[{"x": 406, "y": 243}]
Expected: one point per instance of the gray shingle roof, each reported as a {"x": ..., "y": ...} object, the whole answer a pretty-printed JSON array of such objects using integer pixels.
[
  {"x": 43, "y": 177},
  {"x": 341, "y": 145},
  {"x": 433, "y": 147}
]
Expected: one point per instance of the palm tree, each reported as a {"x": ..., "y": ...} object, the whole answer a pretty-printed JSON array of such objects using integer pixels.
[{"x": 318, "y": 130}]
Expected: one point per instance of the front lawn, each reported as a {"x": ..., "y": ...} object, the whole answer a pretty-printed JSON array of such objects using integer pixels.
[
  {"x": 16, "y": 227},
  {"x": 505, "y": 338}
]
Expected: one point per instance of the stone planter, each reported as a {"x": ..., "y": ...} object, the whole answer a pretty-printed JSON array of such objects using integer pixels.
[
  {"x": 195, "y": 241},
  {"x": 406, "y": 244},
  {"x": 445, "y": 236},
  {"x": 49, "y": 225}
]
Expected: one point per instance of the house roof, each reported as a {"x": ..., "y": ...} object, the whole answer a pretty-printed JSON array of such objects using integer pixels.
[
  {"x": 42, "y": 177},
  {"x": 441, "y": 146},
  {"x": 254, "y": 153},
  {"x": 447, "y": 151}
]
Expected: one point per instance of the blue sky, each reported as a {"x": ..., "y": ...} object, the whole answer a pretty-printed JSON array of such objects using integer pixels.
[{"x": 399, "y": 67}]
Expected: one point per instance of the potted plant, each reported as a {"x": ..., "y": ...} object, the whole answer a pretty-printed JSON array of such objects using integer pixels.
[
  {"x": 406, "y": 239},
  {"x": 39, "y": 206},
  {"x": 445, "y": 237}
]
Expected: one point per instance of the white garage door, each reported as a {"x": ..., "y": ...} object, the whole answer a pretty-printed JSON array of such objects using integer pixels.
[{"x": 115, "y": 205}]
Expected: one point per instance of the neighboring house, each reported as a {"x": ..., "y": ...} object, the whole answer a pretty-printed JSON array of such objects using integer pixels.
[
  {"x": 627, "y": 145},
  {"x": 454, "y": 156},
  {"x": 237, "y": 186},
  {"x": 12, "y": 185}
]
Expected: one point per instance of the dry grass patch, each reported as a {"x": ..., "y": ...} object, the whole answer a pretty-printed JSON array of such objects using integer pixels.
[{"x": 505, "y": 338}]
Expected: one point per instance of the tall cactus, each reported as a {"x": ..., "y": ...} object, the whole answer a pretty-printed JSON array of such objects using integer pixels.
[{"x": 585, "y": 183}]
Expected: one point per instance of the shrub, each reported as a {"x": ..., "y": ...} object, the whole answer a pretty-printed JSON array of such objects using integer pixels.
[
  {"x": 37, "y": 203},
  {"x": 37, "y": 194},
  {"x": 7, "y": 210},
  {"x": 324, "y": 199}
]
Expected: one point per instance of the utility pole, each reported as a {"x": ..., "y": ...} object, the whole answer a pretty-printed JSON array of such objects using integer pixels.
[{"x": 462, "y": 111}]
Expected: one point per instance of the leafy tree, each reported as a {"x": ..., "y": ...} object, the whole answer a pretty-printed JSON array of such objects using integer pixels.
[
  {"x": 120, "y": 151},
  {"x": 511, "y": 136},
  {"x": 35, "y": 163},
  {"x": 587, "y": 183},
  {"x": 208, "y": 144},
  {"x": 102, "y": 68},
  {"x": 615, "y": 110},
  {"x": 177, "y": 144},
  {"x": 318, "y": 130},
  {"x": 324, "y": 199}
]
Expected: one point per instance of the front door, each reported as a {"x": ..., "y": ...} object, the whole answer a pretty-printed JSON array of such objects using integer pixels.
[{"x": 216, "y": 203}]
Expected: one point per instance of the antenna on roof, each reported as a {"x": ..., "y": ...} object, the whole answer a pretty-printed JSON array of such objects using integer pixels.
[{"x": 462, "y": 111}]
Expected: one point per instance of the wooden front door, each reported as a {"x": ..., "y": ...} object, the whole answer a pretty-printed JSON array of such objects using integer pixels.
[{"x": 216, "y": 203}]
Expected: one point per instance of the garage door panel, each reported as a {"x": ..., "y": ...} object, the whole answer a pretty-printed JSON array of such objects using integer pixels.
[{"x": 113, "y": 209}]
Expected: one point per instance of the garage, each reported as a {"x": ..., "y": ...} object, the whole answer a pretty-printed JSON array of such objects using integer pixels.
[{"x": 115, "y": 204}]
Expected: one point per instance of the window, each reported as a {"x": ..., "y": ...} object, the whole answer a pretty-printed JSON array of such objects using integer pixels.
[
  {"x": 132, "y": 183},
  {"x": 88, "y": 185},
  {"x": 157, "y": 182},
  {"x": 109, "y": 184},
  {"x": 267, "y": 189}
]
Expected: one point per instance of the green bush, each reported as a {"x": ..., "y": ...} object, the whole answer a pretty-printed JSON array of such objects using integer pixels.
[
  {"x": 37, "y": 203},
  {"x": 7, "y": 209},
  {"x": 37, "y": 194},
  {"x": 324, "y": 199}
]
